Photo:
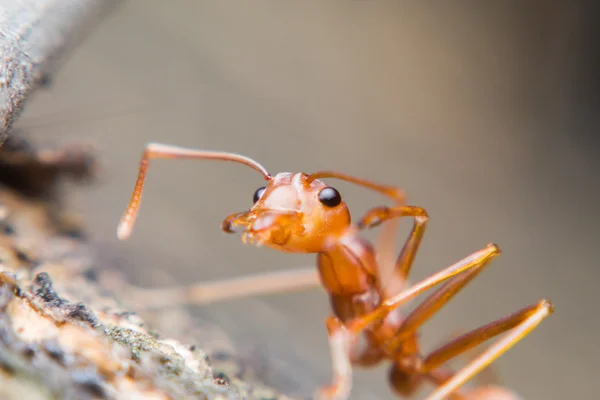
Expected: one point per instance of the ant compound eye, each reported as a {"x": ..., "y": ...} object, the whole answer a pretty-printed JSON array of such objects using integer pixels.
[
  {"x": 330, "y": 197},
  {"x": 258, "y": 194}
]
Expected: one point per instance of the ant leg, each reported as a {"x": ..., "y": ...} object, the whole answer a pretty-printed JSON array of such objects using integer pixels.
[
  {"x": 522, "y": 323},
  {"x": 462, "y": 272},
  {"x": 487, "y": 376},
  {"x": 339, "y": 345},
  {"x": 476, "y": 260},
  {"x": 385, "y": 244},
  {"x": 208, "y": 292},
  {"x": 341, "y": 334},
  {"x": 434, "y": 303},
  {"x": 404, "y": 262},
  {"x": 425, "y": 310}
]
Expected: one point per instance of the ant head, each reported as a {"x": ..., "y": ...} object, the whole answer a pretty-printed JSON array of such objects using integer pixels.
[{"x": 293, "y": 213}]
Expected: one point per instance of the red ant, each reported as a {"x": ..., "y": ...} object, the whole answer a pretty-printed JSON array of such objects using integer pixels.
[{"x": 299, "y": 213}]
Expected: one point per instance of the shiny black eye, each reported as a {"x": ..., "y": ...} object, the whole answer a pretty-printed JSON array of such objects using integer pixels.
[
  {"x": 330, "y": 197},
  {"x": 259, "y": 192}
]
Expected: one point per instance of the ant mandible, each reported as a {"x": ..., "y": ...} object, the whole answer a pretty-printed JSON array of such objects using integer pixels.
[{"x": 299, "y": 213}]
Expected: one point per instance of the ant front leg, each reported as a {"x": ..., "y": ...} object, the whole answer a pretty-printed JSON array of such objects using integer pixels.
[
  {"x": 340, "y": 341},
  {"x": 377, "y": 216},
  {"x": 203, "y": 293}
]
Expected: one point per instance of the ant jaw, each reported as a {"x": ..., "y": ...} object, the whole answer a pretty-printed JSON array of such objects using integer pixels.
[
  {"x": 233, "y": 221},
  {"x": 263, "y": 227}
]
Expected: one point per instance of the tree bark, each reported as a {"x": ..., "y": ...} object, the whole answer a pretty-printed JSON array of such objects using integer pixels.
[{"x": 62, "y": 332}]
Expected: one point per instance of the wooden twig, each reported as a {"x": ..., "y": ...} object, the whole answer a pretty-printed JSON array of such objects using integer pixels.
[{"x": 35, "y": 35}]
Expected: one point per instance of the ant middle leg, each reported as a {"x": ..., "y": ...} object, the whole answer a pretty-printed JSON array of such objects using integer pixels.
[{"x": 339, "y": 347}]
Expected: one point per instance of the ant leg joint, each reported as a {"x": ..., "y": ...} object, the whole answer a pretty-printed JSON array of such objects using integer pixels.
[
  {"x": 547, "y": 304},
  {"x": 495, "y": 249}
]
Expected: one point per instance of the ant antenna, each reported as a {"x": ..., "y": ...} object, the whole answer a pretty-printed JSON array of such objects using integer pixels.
[
  {"x": 389, "y": 191},
  {"x": 157, "y": 150}
]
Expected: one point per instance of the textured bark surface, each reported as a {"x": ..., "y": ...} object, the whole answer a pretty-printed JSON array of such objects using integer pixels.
[
  {"x": 34, "y": 36},
  {"x": 62, "y": 333}
]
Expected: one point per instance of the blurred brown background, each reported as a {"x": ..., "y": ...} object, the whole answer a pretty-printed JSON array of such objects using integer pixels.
[{"x": 487, "y": 114}]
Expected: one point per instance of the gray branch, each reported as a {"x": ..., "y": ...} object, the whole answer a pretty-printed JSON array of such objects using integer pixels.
[{"x": 34, "y": 36}]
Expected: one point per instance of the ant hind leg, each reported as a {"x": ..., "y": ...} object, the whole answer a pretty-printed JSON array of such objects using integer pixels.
[{"x": 518, "y": 325}]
